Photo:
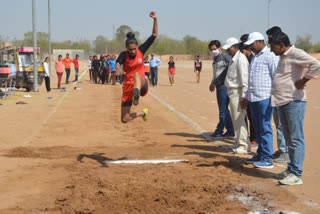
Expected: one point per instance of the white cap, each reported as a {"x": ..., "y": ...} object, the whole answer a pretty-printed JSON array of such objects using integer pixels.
[
  {"x": 230, "y": 42},
  {"x": 255, "y": 36}
]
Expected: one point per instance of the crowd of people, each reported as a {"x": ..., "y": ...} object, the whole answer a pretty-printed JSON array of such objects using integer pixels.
[
  {"x": 259, "y": 82},
  {"x": 59, "y": 70},
  {"x": 253, "y": 83},
  {"x": 103, "y": 70}
]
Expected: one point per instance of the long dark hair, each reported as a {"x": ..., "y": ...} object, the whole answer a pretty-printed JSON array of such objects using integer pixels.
[{"x": 45, "y": 59}]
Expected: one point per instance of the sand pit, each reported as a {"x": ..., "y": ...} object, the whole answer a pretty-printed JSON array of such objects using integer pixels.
[{"x": 61, "y": 160}]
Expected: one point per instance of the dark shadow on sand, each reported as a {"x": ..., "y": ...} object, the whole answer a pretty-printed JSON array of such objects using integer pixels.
[{"x": 97, "y": 157}]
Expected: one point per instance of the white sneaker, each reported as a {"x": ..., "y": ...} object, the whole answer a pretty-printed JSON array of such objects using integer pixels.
[
  {"x": 240, "y": 150},
  {"x": 291, "y": 180}
]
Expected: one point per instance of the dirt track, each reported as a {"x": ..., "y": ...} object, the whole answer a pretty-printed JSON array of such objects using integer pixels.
[{"x": 55, "y": 162}]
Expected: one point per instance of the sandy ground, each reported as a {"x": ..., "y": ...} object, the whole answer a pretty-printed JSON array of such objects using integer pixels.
[{"x": 53, "y": 152}]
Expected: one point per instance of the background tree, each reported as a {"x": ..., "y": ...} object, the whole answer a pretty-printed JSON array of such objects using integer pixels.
[
  {"x": 304, "y": 43},
  {"x": 100, "y": 45},
  {"x": 121, "y": 33},
  {"x": 315, "y": 48}
]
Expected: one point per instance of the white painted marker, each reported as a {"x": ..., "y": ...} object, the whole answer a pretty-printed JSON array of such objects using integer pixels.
[{"x": 144, "y": 161}]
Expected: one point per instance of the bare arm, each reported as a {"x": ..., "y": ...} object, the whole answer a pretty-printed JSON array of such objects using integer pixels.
[
  {"x": 119, "y": 69},
  {"x": 155, "y": 23}
]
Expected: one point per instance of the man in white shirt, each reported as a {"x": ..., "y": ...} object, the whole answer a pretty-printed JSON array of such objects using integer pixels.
[
  {"x": 154, "y": 63},
  {"x": 237, "y": 84},
  {"x": 89, "y": 67},
  {"x": 47, "y": 74}
]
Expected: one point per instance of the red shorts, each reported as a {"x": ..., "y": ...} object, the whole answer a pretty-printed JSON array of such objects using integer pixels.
[
  {"x": 172, "y": 70},
  {"x": 128, "y": 92}
]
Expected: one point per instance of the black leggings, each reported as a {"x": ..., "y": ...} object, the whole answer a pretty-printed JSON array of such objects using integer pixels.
[{"x": 47, "y": 80}]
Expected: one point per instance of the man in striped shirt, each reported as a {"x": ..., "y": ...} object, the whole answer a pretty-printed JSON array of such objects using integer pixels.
[{"x": 261, "y": 71}]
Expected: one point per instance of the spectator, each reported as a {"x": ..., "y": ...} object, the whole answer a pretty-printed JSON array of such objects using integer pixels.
[
  {"x": 67, "y": 64},
  {"x": 247, "y": 52},
  {"x": 154, "y": 63},
  {"x": 76, "y": 67},
  {"x": 95, "y": 69},
  {"x": 295, "y": 69},
  {"x": 261, "y": 71},
  {"x": 89, "y": 62},
  {"x": 47, "y": 73},
  {"x": 197, "y": 68},
  {"x": 280, "y": 156},
  {"x": 220, "y": 67},
  {"x": 59, "y": 70},
  {"x": 237, "y": 84}
]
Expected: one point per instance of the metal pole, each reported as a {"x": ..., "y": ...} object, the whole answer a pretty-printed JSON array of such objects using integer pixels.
[
  {"x": 268, "y": 12},
  {"x": 35, "y": 51},
  {"x": 269, "y": 1},
  {"x": 49, "y": 35}
]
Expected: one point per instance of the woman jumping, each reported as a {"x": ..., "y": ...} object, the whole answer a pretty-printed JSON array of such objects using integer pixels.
[{"x": 135, "y": 83}]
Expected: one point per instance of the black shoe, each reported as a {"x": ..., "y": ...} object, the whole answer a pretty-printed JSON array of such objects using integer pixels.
[
  {"x": 229, "y": 135},
  {"x": 283, "y": 158},
  {"x": 136, "y": 96},
  {"x": 276, "y": 154}
]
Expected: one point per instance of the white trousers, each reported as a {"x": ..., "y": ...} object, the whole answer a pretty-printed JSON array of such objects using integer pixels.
[{"x": 238, "y": 119}]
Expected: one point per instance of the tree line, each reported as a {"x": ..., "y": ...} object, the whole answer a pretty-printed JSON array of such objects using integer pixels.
[{"x": 163, "y": 45}]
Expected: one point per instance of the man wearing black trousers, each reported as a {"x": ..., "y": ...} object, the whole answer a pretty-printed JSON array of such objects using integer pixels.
[
  {"x": 96, "y": 68},
  {"x": 247, "y": 52}
]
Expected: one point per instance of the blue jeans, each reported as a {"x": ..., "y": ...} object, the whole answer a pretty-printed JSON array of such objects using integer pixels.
[
  {"x": 154, "y": 75},
  {"x": 282, "y": 147},
  {"x": 261, "y": 114},
  {"x": 225, "y": 120},
  {"x": 292, "y": 116}
]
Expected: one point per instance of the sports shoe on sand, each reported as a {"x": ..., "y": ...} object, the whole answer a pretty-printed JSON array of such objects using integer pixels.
[
  {"x": 228, "y": 135},
  {"x": 291, "y": 180},
  {"x": 240, "y": 150},
  {"x": 217, "y": 135},
  {"x": 276, "y": 154},
  {"x": 264, "y": 164},
  {"x": 146, "y": 112},
  {"x": 136, "y": 96},
  {"x": 253, "y": 159}
]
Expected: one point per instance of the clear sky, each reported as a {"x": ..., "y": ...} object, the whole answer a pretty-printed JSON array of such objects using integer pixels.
[{"x": 205, "y": 19}]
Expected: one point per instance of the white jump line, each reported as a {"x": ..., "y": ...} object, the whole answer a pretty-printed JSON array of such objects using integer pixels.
[
  {"x": 53, "y": 111},
  {"x": 144, "y": 161},
  {"x": 184, "y": 118}
]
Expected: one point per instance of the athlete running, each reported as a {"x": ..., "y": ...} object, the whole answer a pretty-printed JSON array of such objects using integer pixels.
[{"x": 135, "y": 83}]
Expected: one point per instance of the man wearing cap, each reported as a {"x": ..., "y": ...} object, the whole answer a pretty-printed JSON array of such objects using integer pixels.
[
  {"x": 154, "y": 63},
  {"x": 261, "y": 72},
  {"x": 237, "y": 84}
]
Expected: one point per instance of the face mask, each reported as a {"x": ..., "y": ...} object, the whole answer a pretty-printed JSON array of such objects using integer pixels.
[{"x": 215, "y": 52}]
